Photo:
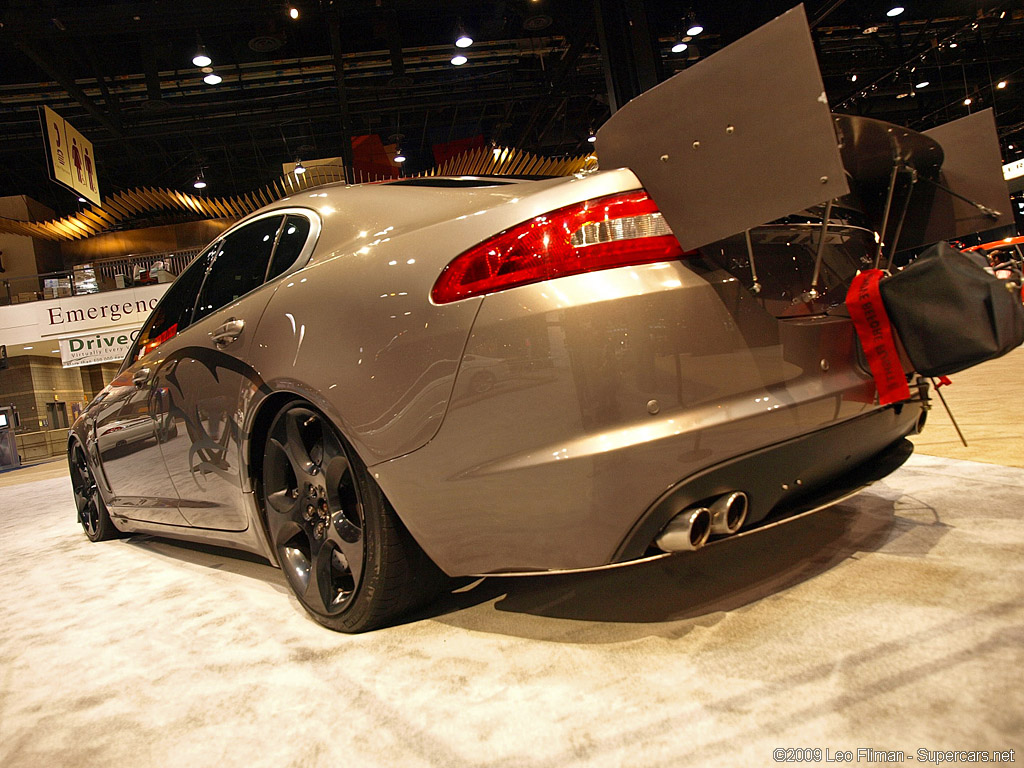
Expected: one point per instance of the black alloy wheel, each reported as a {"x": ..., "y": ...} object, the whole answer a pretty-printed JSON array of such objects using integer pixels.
[
  {"x": 92, "y": 512},
  {"x": 345, "y": 554}
]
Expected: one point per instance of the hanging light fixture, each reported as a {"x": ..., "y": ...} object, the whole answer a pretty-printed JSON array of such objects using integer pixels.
[
  {"x": 1001, "y": 84},
  {"x": 895, "y": 11},
  {"x": 200, "y": 182},
  {"x": 293, "y": 11},
  {"x": 213, "y": 79},
  {"x": 396, "y": 139},
  {"x": 462, "y": 37},
  {"x": 458, "y": 59},
  {"x": 592, "y": 138},
  {"x": 679, "y": 47},
  {"x": 202, "y": 58},
  {"x": 299, "y": 167}
]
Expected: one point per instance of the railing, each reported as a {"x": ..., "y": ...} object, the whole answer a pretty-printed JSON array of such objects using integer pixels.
[{"x": 105, "y": 275}]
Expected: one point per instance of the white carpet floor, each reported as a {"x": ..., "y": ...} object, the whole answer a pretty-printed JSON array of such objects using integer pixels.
[{"x": 893, "y": 622}]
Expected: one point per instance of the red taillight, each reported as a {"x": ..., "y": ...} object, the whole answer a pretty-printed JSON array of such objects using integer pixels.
[{"x": 615, "y": 231}]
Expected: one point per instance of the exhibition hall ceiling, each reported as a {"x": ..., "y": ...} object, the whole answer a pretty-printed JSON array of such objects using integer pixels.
[{"x": 122, "y": 74}]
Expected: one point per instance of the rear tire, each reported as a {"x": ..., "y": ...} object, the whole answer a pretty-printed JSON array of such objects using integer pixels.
[{"x": 347, "y": 557}]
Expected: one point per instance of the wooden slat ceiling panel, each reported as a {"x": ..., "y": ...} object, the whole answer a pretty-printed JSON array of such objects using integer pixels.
[{"x": 124, "y": 205}]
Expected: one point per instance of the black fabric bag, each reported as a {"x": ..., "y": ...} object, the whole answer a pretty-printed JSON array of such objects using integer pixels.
[{"x": 950, "y": 313}]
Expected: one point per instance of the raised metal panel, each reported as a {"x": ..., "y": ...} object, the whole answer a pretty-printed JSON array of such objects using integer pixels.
[
  {"x": 742, "y": 138},
  {"x": 972, "y": 168}
]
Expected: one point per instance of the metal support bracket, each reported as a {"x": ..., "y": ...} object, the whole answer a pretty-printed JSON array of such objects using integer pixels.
[
  {"x": 992, "y": 213},
  {"x": 812, "y": 294},
  {"x": 755, "y": 287}
]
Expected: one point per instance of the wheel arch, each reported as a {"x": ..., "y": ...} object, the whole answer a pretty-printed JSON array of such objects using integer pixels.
[{"x": 259, "y": 430}]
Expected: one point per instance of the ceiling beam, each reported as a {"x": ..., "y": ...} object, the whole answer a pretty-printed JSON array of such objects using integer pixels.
[{"x": 68, "y": 84}]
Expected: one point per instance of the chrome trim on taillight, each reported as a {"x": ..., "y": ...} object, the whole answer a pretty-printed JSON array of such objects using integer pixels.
[{"x": 626, "y": 228}]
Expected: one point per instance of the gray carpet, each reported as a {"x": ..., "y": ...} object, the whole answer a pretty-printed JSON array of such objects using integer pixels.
[{"x": 894, "y": 621}]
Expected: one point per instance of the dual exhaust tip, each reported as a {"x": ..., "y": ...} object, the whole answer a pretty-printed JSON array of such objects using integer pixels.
[{"x": 690, "y": 529}]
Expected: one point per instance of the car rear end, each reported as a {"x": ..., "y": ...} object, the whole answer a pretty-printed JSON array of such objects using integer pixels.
[{"x": 632, "y": 383}]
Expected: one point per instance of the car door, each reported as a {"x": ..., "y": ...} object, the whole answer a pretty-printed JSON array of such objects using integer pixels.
[
  {"x": 206, "y": 366},
  {"x": 128, "y": 428}
]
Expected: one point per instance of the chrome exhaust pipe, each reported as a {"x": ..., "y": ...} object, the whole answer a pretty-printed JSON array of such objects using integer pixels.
[
  {"x": 687, "y": 531},
  {"x": 729, "y": 512}
]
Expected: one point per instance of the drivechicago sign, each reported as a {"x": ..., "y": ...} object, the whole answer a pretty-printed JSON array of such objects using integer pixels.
[{"x": 105, "y": 347}]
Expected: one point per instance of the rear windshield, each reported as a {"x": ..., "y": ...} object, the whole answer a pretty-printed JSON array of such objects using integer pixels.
[{"x": 446, "y": 183}]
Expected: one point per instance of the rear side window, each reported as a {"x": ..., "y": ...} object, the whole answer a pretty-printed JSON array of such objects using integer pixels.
[
  {"x": 174, "y": 313},
  {"x": 289, "y": 245},
  {"x": 240, "y": 266}
]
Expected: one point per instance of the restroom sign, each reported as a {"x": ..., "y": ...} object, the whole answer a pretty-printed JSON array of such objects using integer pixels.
[{"x": 72, "y": 160}]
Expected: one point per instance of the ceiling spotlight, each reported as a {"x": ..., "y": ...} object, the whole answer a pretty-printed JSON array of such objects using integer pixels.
[
  {"x": 592, "y": 138},
  {"x": 853, "y": 78},
  {"x": 82, "y": 199},
  {"x": 1009, "y": 146},
  {"x": 694, "y": 30},
  {"x": 679, "y": 47},
  {"x": 200, "y": 182},
  {"x": 953, "y": 44},
  {"x": 212, "y": 79},
  {"x": 923, "y": 84},
  {"x": 462, "y": 38},
  {"x": 399, "y": 156},
  {"x": 870, "y": 30},
  {"x": 299, "y": 167},
  {"x": 1001, "y": 84},
  {"x": 458, "y": 59},
  {"x": 895, "y": 11},
  {"x": 202, "y": 58},
  {"x": 968, "y": 101},
  {"x": 293, "y": 11}
]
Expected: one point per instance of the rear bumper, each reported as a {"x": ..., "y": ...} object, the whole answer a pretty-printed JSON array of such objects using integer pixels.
[
  {"x": 615, "y": 389},
  {"x": 808, "y": 472}
]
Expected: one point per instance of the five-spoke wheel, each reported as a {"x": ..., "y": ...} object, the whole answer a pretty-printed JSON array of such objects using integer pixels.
[
  {"x": 92, "y": 512},
  {"x": 345, "y": 554}
]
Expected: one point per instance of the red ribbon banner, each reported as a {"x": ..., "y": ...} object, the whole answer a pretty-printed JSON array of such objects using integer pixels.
[{"x": 864, "y": 300}]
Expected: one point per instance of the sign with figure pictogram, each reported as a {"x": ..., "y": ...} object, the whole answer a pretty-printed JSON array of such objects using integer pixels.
[{"x": 72, "y": 162}]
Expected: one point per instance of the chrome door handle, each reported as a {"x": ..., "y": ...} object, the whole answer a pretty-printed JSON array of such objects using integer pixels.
[
  {"x": 228, "y": 332},
  {"x": 140, "y": 377}
]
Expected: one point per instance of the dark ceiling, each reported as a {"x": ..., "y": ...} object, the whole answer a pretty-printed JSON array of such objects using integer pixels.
[{"x": 121, "y": 73}]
